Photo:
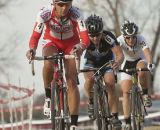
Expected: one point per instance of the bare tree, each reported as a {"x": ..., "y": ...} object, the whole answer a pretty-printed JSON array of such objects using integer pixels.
[
  {"x": 114, "y": 12},
  {"x": 8, "y": 46}
]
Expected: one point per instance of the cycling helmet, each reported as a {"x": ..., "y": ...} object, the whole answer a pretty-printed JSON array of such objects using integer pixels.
[
  {"x": 62, "y": 1},
  {"x": 94, "y": 24},
  {"x": 129, "y": 28}
]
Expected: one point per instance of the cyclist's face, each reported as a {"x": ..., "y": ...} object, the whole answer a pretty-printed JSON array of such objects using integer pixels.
[
  {"x": 130, "y": 40},
  {"x": 96, "y": 38},
  {"x": 62, "y": 8}
]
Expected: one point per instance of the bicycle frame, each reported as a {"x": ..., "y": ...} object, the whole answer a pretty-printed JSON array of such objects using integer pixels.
[
  {"x": 60, "y": 116},
  {"x": 138, "y": 110},
  {"x": 101, "y": 104},
  {"x": 59, "y": 108}
]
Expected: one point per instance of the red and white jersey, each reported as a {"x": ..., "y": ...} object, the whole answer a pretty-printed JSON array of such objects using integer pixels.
[{"x": 69, "y": 28}]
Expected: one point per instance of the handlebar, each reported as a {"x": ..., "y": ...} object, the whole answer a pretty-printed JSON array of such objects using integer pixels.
[
  {"x": 54, "y": 57},
  {"x": 134, "y": 70},
  {"x": 108, "y": 64},
  {"x": 89, "y": 70}
]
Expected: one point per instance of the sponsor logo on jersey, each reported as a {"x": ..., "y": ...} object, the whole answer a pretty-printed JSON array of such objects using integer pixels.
[
  {"x": 60, "y": 28},
  {"x": 45, "y": 14}
]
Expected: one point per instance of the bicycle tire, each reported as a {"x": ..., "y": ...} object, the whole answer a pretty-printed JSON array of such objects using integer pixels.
[
  {"x": 107, "y": 112},
  {"x": 56, "y": 119},
  {"x": 53, "y": 104},
  {"x": 97, "y": 107},
  {"x": 105, "y": 115},
  {"x": 133, "y": 106},
  {"x": 66, "y": 110},
  {"x": 140, "y": 115}
]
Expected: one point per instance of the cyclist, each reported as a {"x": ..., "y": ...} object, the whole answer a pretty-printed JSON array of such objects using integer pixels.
[
  {"x": 63, "y": 27},
  {"x": 103, "y": 48},
  {"x": 137, "y": 54}
]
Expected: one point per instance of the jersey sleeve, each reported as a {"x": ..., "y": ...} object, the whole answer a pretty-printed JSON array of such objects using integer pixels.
[
  {"x": 83, "y": 32},
  {"x": 143, "y": 42},
  {"x": 110, "y": 38},
  {"x": 120, "y": 40},
  {"x": 43, "y": 15}
]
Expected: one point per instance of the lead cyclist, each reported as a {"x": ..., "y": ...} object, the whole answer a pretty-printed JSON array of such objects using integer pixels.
[
  {"x": 136, "y": 54},
  {"x": 63, "y": 27}
]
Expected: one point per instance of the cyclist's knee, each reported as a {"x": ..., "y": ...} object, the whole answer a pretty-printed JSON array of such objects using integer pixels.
[
  {"x": 89, "y": 81},
  {"x": 48, "y": 65},
  {"x": 71, "y": 83},
  {"x": 49, "y": 50},
  {"x": 125, "y": 93},
  {"x": 111, "y": 85}
]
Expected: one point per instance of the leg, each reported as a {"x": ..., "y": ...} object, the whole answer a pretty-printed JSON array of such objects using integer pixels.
[
  {"x": 73, "y": 91},
  {"x": 109, "y": 79},
  {"x": 47, "y": 78},
  {"x": 88, "y": 85},
  {"x": 126, "y": 86},
  {"x": 110, "y": 82},
  {"x": 48, "y": 67},
  {"x": 144, "y": 78}
]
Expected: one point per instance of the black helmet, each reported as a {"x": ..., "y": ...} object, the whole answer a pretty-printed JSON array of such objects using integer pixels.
[
  {"x": 129, "y": 28},
  {"x": 62, "y": 1},
  {"x": 94, "y": 24}
]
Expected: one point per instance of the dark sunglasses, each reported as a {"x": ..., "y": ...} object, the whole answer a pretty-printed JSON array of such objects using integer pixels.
[
  {"x": 129, "y": 37},
  {"x": 95, "y": 35}
]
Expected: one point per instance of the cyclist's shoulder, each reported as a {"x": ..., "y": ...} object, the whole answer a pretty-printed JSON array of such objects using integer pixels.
[
  {"x": 141, "y": 41},
  {"x": 109, "y": 37},
  {"x": 120, "y": 39},
  {"x": 45, "y": 13},
  {"x": 75, "y": 13},
  {"x": 140, "y": 37}
]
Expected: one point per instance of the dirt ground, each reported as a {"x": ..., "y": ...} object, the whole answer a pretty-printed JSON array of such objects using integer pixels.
[{"x": 152, "y": 128}]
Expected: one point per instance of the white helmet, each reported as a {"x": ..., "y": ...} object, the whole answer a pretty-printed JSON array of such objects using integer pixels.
[{"x": 129, "y": 28}]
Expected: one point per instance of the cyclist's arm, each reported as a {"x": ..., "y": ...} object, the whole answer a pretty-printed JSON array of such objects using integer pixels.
[
  {"x": 33, "y": 43},
  {"x": 116, "y": 49},
  {"x": 146, "y": 50},
  {"x": 42, "y": 17},
  {"x": 83, "y": 32},
  {"x": 85, "y": 41},
  {"x": 148, "y": 55},
  {"x": 118, "y": 54}
]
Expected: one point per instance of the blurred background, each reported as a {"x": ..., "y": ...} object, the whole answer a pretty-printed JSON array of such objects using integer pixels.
[{"x": 19, "y": 90}]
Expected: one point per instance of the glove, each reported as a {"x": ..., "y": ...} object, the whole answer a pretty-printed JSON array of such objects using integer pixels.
[
  {"x": 30, "y": 54},
  {"x": 151, "y": 67},
  {"x": 78, "y": 49},
  {"x": 79, "y": 46}
]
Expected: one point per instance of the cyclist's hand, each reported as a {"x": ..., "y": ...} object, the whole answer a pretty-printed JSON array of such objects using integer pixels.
[
  {"x": 151, "y": 67},
  {"x": 30, "y": 54},
  {"x": 78, "y": 49},
  {"x": 115, "y": 65}
]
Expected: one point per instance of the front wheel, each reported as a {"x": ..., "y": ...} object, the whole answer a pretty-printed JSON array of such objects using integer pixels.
[
  {"x": 97, "y": 108},
  {"x": 56, "y": 119}
]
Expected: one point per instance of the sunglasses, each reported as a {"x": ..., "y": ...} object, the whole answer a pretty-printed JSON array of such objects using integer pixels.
[
  {"x": 95, "y": 35},
  {"x": 63, "y": 4},
  {"x": 129, "y": 37}
]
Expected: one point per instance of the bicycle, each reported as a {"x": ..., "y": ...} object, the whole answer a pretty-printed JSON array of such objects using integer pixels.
[
  {"x": 138, "y": 110},
  {"x": 60, "y": 116},
  {"x": 102, "y": 113}
]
